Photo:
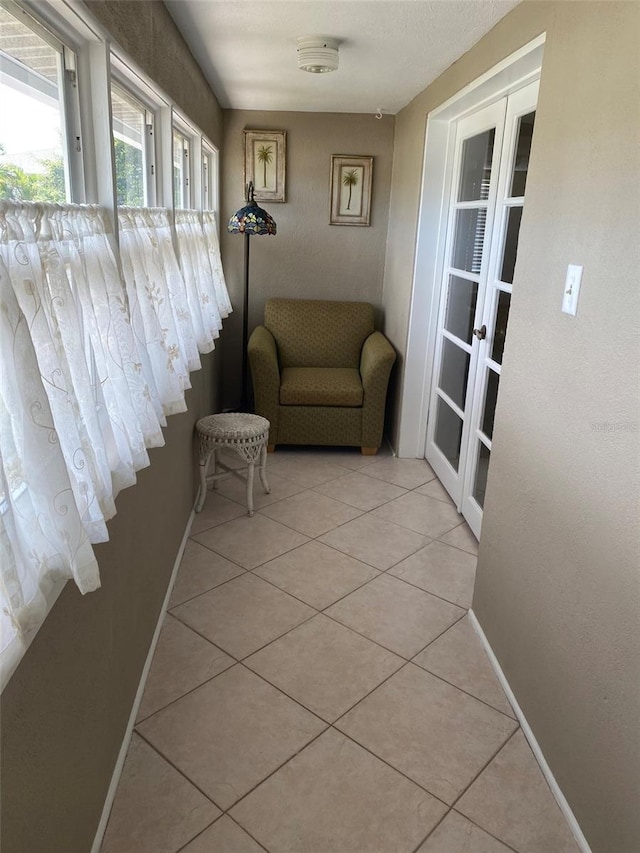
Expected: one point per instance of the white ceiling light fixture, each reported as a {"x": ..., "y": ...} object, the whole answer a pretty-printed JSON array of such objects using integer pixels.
[{"x": 317, "y": 54}]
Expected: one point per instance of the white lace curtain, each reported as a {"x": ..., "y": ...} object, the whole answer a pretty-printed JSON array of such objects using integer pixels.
[{"x": 96, "y": 350}]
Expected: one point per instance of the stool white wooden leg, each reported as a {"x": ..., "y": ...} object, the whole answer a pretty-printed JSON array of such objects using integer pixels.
[
  {"x": 215, "y": 466},
  {"x": 203, "y": 482},
  {"x": 250, "y": 486},
  {"x": 263, "y": 469}
]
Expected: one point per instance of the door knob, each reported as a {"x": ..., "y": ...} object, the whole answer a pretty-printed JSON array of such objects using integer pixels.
[{"x": 480, "y": 333}]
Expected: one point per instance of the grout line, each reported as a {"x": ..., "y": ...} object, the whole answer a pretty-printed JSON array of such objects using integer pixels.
[
  {"x": 202, "y": 832},
  {"x": 484, "y": 767},
  {"x": 391, "y": 766},
  {"x": 301, "y": 600},
  {"x": 432, "y": 830},
  {"x": 475, "y": 823},
  {"x": 187, "y": 692},
  {"x": 279, "y": 767},
  {"x": 178, "y": 770},
  {"x": 464, "y": 607},
  {"x": 208, "y": 589},
  {"x": 245, "y": 830}
]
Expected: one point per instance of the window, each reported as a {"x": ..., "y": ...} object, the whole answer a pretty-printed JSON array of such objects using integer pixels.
[
  {"x": 209, "y": 174},
  {"x": 164, "y": 274},
  {"x": 133, "y": 149},
  {"x": 35, "y": 68},
  {"x": 181, "y": 167}
]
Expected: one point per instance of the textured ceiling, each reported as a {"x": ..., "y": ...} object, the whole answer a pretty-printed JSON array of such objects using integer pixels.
[{"x": 390, "y": 49}]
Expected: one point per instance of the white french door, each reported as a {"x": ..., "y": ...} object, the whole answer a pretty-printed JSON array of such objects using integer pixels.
[{"x": 491, "y": 156}]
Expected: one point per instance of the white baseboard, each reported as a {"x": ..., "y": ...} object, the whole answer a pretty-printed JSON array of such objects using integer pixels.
[
  {"x": 565, "y": 808},
  {"x": 117, "y": 770}
]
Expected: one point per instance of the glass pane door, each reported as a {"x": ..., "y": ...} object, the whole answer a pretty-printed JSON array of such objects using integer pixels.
[
  {"x": 519, "y": 123},
  {"x": 471, "y": 211},
  {"x": 490, "y": 165}
]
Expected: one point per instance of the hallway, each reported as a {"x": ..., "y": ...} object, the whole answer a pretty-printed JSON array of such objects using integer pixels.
[{"x": 318, "y": 686}]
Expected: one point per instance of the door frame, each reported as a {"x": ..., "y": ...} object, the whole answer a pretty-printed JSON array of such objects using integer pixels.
[{"x": 509, "y": 75}]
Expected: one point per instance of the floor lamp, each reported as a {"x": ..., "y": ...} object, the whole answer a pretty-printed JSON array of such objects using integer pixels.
[{"x": 250, "y": 220}]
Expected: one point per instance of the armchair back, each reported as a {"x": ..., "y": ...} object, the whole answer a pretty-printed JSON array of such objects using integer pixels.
[{"x": 318, "y": 333}]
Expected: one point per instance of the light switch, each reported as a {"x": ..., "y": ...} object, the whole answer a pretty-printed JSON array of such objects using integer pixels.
[{"x": 572, "y": 289}]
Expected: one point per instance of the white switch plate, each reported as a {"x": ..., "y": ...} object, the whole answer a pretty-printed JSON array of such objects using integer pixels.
[{"x": 572, "y": 289}]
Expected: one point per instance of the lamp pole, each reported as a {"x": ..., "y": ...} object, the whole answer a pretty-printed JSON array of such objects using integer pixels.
[
  {"x": 249, "y": 221},
  {"x": 245, "y": 324}
]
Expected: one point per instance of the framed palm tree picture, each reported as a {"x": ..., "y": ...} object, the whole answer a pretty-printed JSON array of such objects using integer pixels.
[
  {"x": 350, "y": 189},
  {"x": 265, "y": 162}
]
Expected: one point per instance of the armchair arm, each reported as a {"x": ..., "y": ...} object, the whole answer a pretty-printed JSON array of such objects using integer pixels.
[
  {"x": 376, "y": 361},
  {"x": 265, "y": 375}
]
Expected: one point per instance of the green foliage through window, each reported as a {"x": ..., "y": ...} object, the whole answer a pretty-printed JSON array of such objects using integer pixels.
[{"x": 46, "y": 185}]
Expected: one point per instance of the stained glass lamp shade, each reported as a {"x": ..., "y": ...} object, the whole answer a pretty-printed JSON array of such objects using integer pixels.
[{"x": 251, "y": 221}]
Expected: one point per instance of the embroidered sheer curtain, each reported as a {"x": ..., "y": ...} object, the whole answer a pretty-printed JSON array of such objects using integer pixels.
[{"x": 96, "y": 349}]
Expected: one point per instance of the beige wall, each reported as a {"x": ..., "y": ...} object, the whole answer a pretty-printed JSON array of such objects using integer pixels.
[
  {"x": 65, "y": 711},
  {"x": 308, "y": 258},
  {"x": 146, "y": 32},
  {"x": 558, "y": 583}
]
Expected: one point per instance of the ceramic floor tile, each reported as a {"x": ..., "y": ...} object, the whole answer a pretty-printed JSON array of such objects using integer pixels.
[
  {"x": 182, "y": 661},
  {"x": 231, "y": 733},
  {"x": 436, "y": 490},
  {"x": 442, "y": 570},
  {"x": 231, "y": 459},
  {"x": 156, "y": 810},
  {"x": 216, "y": 510},
  {"x": 236, "y": 490},
  {"x": 316, "y": 574},
  {"x": 361, "y": 491},
  {"x": 200, "y": 570},
  {"x": 408, "y": 473},
  {"x": 512, "y": 801},
  {"x": 379, "y": 543},
  {"x": 311, "y": 513},
  {"x": 243, "y": 615},
  {"x": 459, "y": 657},
  {"x": 461, "y": 537},
  {"x": 396, "y": 615},
  {"x": 324, "y": 666},
  {"x": 419, "y": 513},
  {"x": 440, "y": 737},
  {"x": 251, "y": 541},
  {"x": 225, "y": 836},
  {"x": 335, "y": 797},
  {"x": 458, "y": 835},
  {"x": 347, "y": 457},
  {"x": 305, "y": 472}
]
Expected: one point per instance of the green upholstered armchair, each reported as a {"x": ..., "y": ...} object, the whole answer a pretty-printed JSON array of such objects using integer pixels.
[{"x": 320, "y": 373}]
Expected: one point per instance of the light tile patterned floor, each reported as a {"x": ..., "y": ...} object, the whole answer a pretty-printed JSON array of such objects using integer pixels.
[{"x": 317, "y": 686}]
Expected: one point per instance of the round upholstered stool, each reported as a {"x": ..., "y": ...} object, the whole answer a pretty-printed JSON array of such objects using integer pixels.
[{"x": 244, "y": 433}]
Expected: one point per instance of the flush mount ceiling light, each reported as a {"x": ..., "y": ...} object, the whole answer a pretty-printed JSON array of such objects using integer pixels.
[{"x": 317, "y": 54}]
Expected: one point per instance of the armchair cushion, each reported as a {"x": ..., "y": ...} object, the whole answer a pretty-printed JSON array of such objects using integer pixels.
[
  {"x": 320, "y": 386},
  {"x": 317, "y": 333}
]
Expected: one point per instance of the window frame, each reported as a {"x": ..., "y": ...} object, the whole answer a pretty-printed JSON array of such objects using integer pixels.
[
  {"x": 66, "y": 47},
  {"x": 149, "y": 153}
]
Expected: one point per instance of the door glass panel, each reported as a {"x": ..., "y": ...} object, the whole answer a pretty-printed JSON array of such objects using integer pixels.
[
  {"x": 454, "y": 372},
  {"x": 461, "y": 307},
  {"x": 469, "y": 239},
  {"x": 490, "y": 398},
  {"x": 477, "y": 154},
  {"x": 482, "y": 469},
  {"x": 523, "y": 150},
  {"x": 502, "y": 315},
  {"x": 448, "y": 432},
  {"x": 514, "y": 218}
]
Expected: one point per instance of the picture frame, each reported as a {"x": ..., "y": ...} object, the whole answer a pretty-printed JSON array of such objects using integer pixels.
[
  {"x": 265, "y": 163},
  {"x": 351, "y": 177}
]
